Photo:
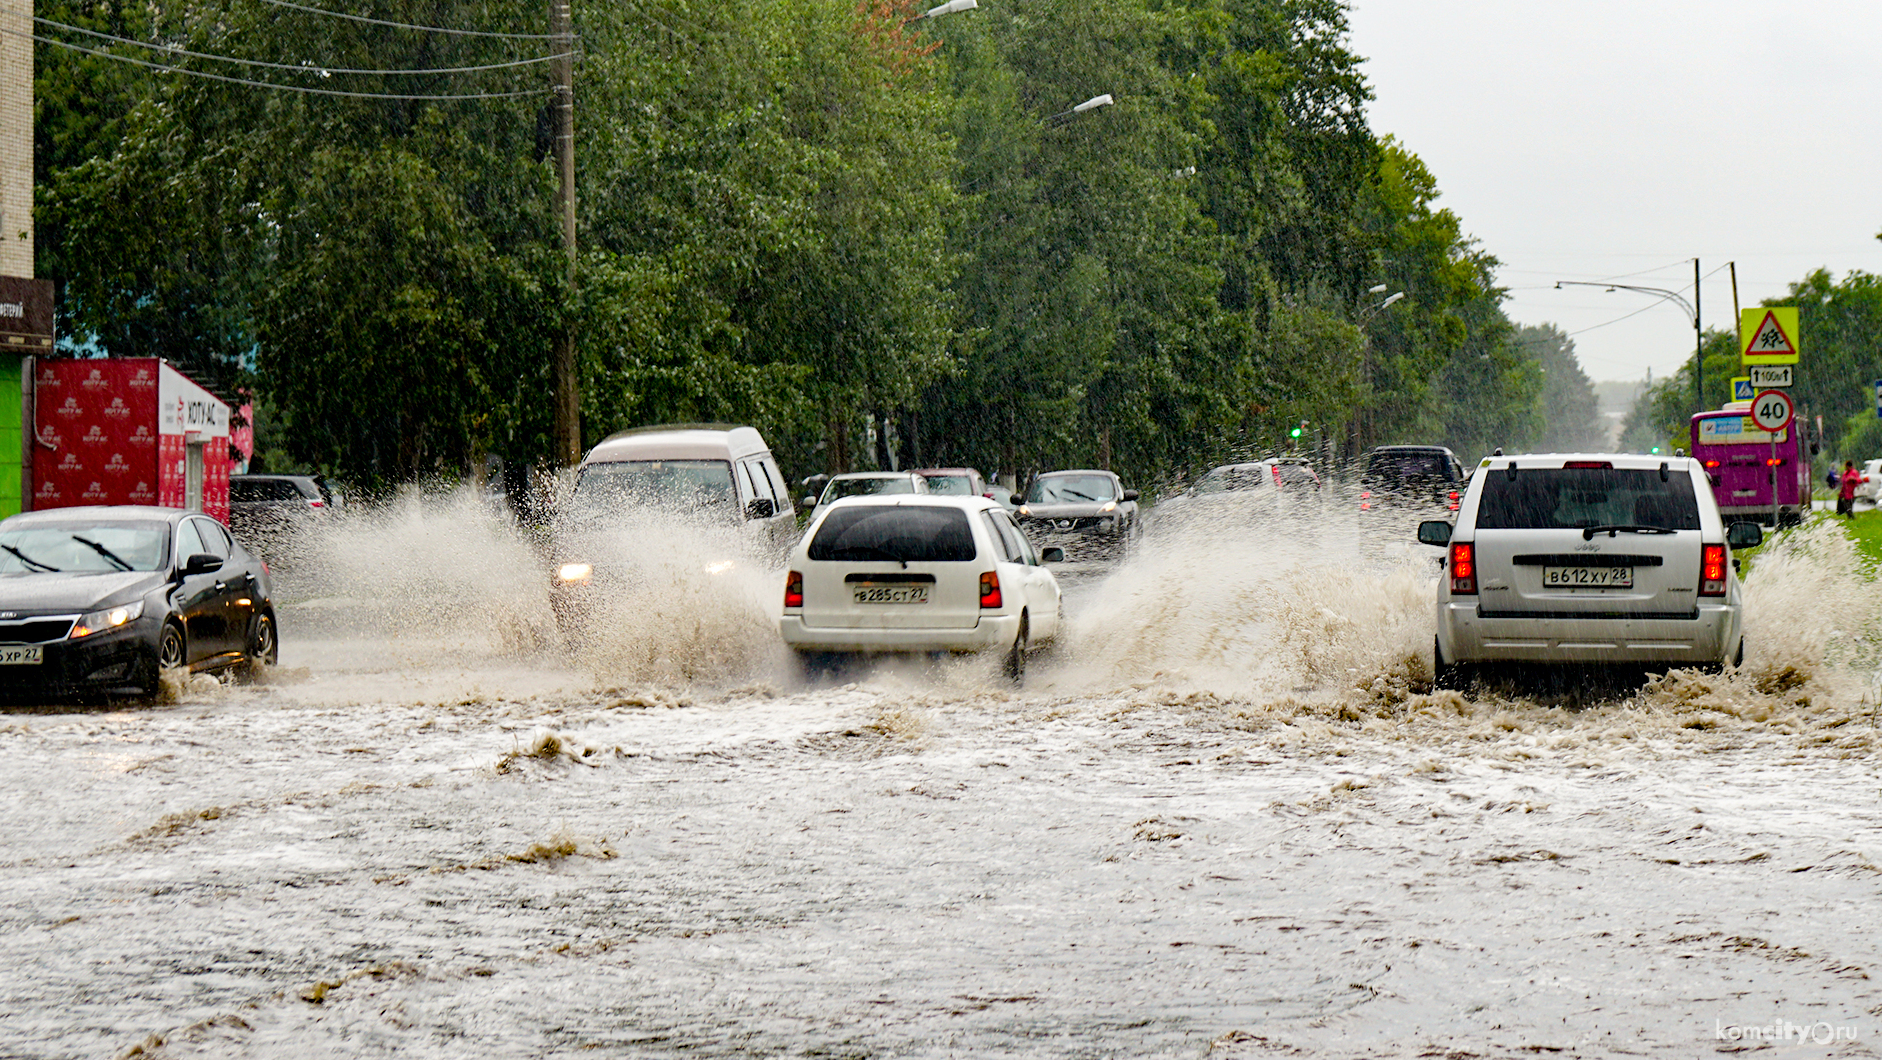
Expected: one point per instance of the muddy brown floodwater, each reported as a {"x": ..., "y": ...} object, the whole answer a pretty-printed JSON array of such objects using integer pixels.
[{"x": 1227, "y": 818}]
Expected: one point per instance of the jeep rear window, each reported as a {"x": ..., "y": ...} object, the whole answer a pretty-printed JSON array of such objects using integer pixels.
[
  {"x": 911, "y": 533},
  {"x": 1409, "y": 466},
  {"x": 1577, "y": 498}
]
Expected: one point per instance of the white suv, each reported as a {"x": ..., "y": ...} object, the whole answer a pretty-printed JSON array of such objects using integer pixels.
[
  {"x": 919, "y": 573},
  {"x": 1589, "y": 559}
]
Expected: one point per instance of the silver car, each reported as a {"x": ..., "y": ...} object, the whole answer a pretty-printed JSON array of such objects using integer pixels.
[{"x": 1589, "y": 559}]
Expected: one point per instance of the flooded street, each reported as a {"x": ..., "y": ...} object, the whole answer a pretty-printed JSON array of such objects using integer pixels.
[{"x": 1226, "y": 818}]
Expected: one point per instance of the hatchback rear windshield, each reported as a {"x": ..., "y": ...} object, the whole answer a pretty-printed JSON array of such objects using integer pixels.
[
  {"x": 1407, "y": 466},
  {"x": 907, "y": 533},
  {"x": 1578, "y": 498},
  {"x": 951, "y": 485}
]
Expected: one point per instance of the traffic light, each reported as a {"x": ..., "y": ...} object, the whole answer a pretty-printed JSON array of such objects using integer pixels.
[
  {"x": 1656, "y": 450},
  {"x": 1295, "y": 433}
]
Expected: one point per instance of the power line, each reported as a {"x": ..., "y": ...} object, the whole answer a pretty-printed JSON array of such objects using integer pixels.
[
  {"x": 302, "y": 69},
  {"x": 408, "y": 25},
  {"x": 269, "y": 84}
]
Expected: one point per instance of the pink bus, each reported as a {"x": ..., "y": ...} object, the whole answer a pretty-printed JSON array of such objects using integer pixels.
[{"x": 1740, "y": 460}]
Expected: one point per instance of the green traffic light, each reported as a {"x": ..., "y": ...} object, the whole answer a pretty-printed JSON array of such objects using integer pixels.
[
  {"x": 1656, "y": 450},
  {"x": 1296, "y": 432}
]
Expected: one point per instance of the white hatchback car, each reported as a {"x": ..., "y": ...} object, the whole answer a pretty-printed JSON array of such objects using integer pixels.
[
  {"x": 1589, "y": 559},
  {"x": 919, "y": 573}
]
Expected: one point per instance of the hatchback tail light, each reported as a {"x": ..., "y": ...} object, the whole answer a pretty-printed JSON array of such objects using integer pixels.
[
  {"x": 1454, "y": 496},
  {"x": 794, "y": 589},
  {"x": 990, "y": 589},
  {"x": 1365, "y": 500},
  {"x": 1463, "y": 569},
  {"x": 1712, "y": 571}
]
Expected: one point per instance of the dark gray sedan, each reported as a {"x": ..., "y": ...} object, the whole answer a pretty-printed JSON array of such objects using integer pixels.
[
  {"x": 100, "y": 601},
  {"x": 1089, "y": 514}
]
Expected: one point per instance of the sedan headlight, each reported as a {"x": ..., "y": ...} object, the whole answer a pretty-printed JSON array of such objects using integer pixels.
[
  {"x": 574, "y": 573},
  {"x": 109, "y": 618}
]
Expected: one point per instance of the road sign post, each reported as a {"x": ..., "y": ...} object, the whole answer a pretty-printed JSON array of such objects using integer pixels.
[{"x": 1773, "y": 411}]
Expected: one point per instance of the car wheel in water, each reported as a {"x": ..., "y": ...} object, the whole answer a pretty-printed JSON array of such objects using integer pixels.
[
  {"x": 1448, "y": 675},
  {"x": 171, "y": 653},
  {"x": 1014, "y": 665},
  {"x": 264, "y": 647}
]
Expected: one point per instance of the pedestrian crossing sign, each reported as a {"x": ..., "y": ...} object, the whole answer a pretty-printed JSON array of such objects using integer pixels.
[
  {"x": 1768, "y": 335},
  {"x": 1741, "y": 388}
]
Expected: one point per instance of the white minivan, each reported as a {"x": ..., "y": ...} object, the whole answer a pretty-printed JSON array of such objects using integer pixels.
[
  {"x": 919, "y": 573},
  {"x": 1588, "y": 559}
]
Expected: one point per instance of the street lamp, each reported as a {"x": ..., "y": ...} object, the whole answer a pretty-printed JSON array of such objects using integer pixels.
[
  {"x": 949, "y": 8},
  {"x": 1083, "y": 108},
  {"x": 1691, "y": 310}
]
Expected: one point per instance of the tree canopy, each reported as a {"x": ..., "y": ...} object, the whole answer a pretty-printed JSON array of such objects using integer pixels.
[{"x": 878, "y": 238}]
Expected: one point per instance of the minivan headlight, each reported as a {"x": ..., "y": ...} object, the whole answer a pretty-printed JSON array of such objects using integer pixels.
[{"x": 109, "y": 618}]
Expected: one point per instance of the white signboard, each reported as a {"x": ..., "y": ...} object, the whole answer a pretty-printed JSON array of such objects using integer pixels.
[{"x": 1765, "y": 376}]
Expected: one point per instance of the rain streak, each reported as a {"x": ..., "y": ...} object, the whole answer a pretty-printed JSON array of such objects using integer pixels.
[{"x": 1227, "y": 815}]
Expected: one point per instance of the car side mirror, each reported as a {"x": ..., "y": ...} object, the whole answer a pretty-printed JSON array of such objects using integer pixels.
[
  {"x": 1052, "y": 554},
  {"x": 1434, "y": 532},
  {"x": 1744, "y": 535},
  {"x": 761, "y": 508},
  {"x": 1130, "y": 495},
  {"x": 202, "y": 563},
  {"x": 1016, "y": 498},
  {"x": 810, "y": 500}
]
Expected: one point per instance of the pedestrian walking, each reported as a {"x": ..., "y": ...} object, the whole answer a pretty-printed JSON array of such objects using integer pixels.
[{"x": 1846, "y": 496}]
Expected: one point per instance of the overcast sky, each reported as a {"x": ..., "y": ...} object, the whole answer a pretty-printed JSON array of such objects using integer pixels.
[{"x": 1600, "y": 139}]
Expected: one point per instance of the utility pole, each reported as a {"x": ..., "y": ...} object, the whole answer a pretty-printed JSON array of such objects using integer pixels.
[
  {"x": 564, "y": 381},
  {"x": 1699, "y": 348}
]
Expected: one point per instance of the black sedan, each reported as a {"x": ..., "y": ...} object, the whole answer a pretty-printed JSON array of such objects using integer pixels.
[
  {"x": 100, "y": 601},
  {"x": 1087, "y": 513}
]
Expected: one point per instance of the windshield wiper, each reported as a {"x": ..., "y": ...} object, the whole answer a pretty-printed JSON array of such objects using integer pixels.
[
  {"x": 102, "y": 551},
  {"x": 1080, "y": 496},
  {"x": 1588, "y": 532},
  {"x": 867, "y": 552},
  {"x": 30, "y": 561}
]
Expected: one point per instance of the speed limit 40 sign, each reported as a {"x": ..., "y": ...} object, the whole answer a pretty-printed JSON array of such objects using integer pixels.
[{"x": 1772, "y": 410}]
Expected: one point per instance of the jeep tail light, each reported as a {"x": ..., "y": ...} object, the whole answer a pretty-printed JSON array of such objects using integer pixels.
[
  {"x": 1590, "y": 465},
  {"x": 1365, "y": 500},
  {"x": 1453, "y": 499},
  {"x": 794, "y": 589},
  {"x": 1712, "y": 571},
  {"x": 990, "y": 589},
  {"x": 1463, "y": 569}
]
